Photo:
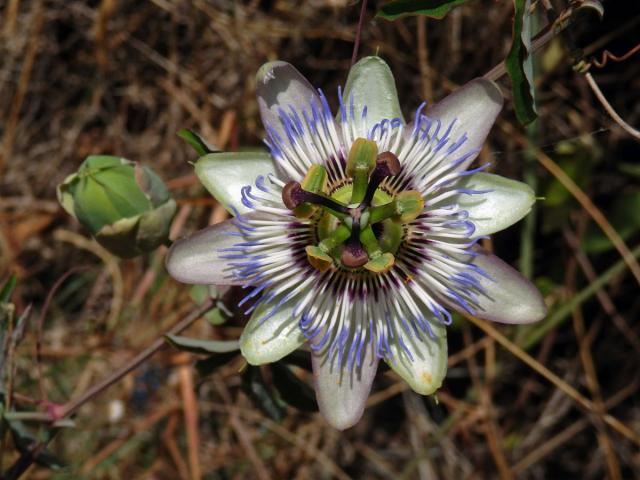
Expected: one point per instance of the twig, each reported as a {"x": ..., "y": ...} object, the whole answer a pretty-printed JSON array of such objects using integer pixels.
[
  {"x": 555, "y": 318},
  {"x": 27, "y": 458},
  {"x": 40, "y": 327},
  {"x": 603, "y": 297},
  {"x": 171, "y": 446},
  {"x": 539, "y": 41},
  {"x": 190, "y": 412},
  {"x": 321, "y": 457},
  {"x": 567, "y": 389},
  {"x": 490, "y": 429},
  {"x": 609, "y": 36},
  {"x": 140, "y": 426},
  {"x": 588, "y": 366},
  {"x": 423, "y": 58},
  {"x": 259, "y": 467},
  {"x": 71, "y": 407},
  {"x": 33, "y": 48},
  {"x": 582, "y": 198},
  {"x": 552, "y": 444},
  {"x": 607, "y": 106},
  {"x": 111, "y": 263},
  {"x": 356, "y": 43}
]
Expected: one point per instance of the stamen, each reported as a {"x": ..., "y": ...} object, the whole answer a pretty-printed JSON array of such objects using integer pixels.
[
  {"x": 361, "y": 161},
  {"x": 387, "y": 165},
  {"x": 353, "y": 254},
  {"x": 293, "y": 196}
]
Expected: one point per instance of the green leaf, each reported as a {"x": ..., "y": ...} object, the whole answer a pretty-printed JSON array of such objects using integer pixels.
[
  {"x": 199, "y": 144},
  {"x": 520, "y": 65},
  {"x": 200, "y": 293},
  {"x": 624, "y": 217},
  {"x": 630, "y": 169},
  {"x": 7, "y": 289},
  {"x": 430, "y": 8},
  {"x": 292, "y": 390},
  {"x": 195, "y": 345},
  {"x": 25, "y": 441},
  {"x": 254, "y": 386}
]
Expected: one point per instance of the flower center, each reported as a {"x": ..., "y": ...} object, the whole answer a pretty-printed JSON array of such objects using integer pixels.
[{"x": 359, "y": 226}]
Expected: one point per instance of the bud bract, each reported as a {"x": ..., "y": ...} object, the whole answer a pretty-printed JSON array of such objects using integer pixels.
[{"x": 125, "y": 206}]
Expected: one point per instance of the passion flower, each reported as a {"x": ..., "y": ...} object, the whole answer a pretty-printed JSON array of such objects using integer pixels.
[{"x": 358, "y": 234}]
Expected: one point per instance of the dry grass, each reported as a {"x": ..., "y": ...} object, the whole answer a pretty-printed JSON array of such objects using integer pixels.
[{"x": 115, "y": 77}]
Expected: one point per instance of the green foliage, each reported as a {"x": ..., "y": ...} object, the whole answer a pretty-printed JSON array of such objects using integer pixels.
[
  {"x": 196, "y": 345},
  {"x": 200, "y": 293},
  {"x": 625, "y": 219},
  {"x": 520, "y": 65},
  {"x": 577, "y": 160},
  {"x": 24, "y": 441},
  {"x": 199, "y": 144},
  {"x": 6, "y": 310},
  {"x": 430, "y": 8},
  {"x": 7, "y": 289}
]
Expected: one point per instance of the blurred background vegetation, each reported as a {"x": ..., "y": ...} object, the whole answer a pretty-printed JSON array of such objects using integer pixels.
[{"x": 79, "y": 77}]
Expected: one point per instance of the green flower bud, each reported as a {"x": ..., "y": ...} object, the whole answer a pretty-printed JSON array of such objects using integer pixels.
[{"x": 125, "y": 206}]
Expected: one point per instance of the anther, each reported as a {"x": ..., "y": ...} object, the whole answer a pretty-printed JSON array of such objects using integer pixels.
[
  {"x": 293, "y": 195},
  {"x": 387, "y": 165},
  {"x": 353, "y": 255}
]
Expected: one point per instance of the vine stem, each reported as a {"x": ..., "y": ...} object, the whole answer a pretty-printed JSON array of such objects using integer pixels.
[
  {"x": 607, "y": 106},
  {"x": 71, "y": 407},
  {"x": 28, "y": 457},
  {"x": 537, "y": 43},
  {"x": 356, "y": 43}
]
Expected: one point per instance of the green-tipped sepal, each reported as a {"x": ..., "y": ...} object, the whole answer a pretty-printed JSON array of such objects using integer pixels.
[{"x": 125, "y": 206}]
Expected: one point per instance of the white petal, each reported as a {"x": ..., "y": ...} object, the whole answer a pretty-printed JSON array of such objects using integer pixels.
[
  {"x": 342, "y": 393},
  {"x": 224, "y": 175},
  {"x": 474, "y": 107},
  {"x": 505, "y": 202},
  {"x": 280, "y": 86},
  {"x": 371, "y": 83},
  {"x": 198, "y": 260},
  {"x": 427, "y": 370},
  {"x": 511, "y": 298},
  {"x": 269, "y": 340}
]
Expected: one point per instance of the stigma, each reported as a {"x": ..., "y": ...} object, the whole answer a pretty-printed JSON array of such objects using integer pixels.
[{"x": 358, "y": 226}]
